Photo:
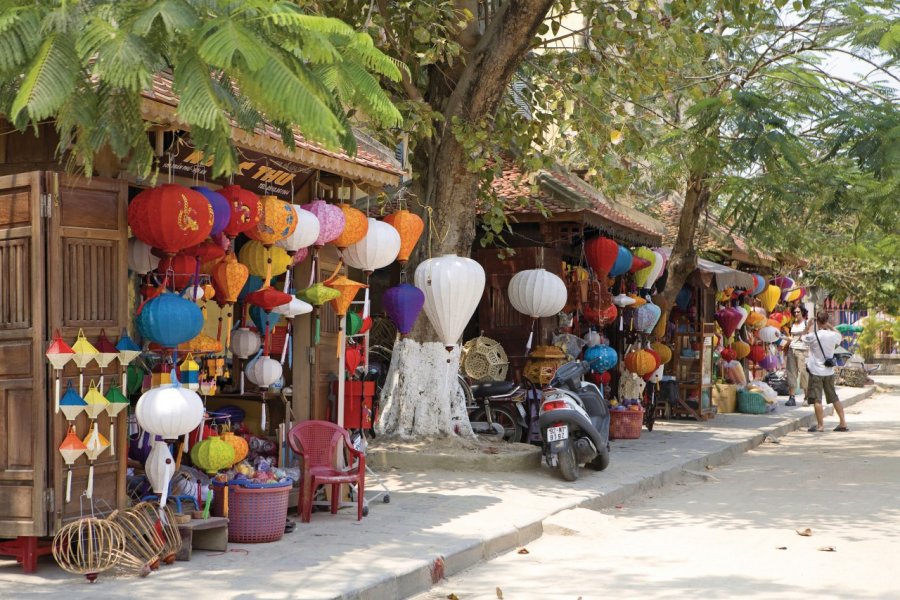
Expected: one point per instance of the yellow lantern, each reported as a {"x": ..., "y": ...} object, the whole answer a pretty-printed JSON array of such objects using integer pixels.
[
  {"x": 356, "y": 226},
  {"x": 660, "y": 330},
  {"x": 256, "y": 256},
  {"x": 212, "y": 454},
  {"x": 410, "y": 227},
  {"x": 640, "y": 362},
  {"x": 770, "y": 297},
  {"x": 741, "y": 349},
  {"x": 755, "y": 320},
  {"x": 664, "y": 352},
  {"x": 277, "y": 221}
]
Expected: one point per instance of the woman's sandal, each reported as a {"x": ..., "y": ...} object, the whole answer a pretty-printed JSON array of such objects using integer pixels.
[
  {"x": 839, "y": 428},
  {"x": 815, "y": 429}
]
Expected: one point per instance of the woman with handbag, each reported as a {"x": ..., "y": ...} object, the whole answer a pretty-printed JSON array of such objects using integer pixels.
[
  {"x": 796, "y": 355},
  {"x": 822, "y": 340}
]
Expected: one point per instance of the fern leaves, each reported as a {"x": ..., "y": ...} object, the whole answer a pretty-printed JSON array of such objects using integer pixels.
[{"x": 50, "y": 79}]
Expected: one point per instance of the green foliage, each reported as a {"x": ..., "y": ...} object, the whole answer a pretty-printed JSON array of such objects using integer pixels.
[
  {"x": 84, "y": 64},
  {"x": 869, "y": 339}
]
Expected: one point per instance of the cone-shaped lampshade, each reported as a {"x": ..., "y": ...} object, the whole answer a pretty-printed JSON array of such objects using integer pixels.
[
  {"x": 293, "y": 308},
  {"x": 85, "y": 352},
  {"x": 106, "y": 351},
  {"x": 95, "y": 402},
  {"x": 72, "y": 447},
  {"x": 128, "y": 349},
  {"x": 71, "y": 403},
  {"x": 268, "y": 298},
  {"x": 95, "y": 443},
  {"x": 59, "y": 352},
  {"x": 116, "y": 401},
  {"x": 318, "y": 294},
  {"x": 347, "y": 289}
]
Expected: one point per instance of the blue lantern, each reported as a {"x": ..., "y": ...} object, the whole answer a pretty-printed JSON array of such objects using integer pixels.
[
  {"x": 260, "y": 318},
  {"x": 683, "y": 299},
  {"x": 623, "y": 262},
  {"x": 253, "y": 283},
  {"x": 601, "y": 358},
  {"x": 169, "y": 320}
]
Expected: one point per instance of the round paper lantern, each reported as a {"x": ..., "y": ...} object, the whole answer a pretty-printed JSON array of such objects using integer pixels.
[
  {"x": 169, "y": 411},
  {"x": 755, "y": 320},
  {"x": 212, "y": 454},
  {"x": 141, "y": 259},
  {"x": 757, "y": 353},
  {"x": 769, "y": 334},
  {"x": 229, "y": 277},
  {"x": 410, "y": 227},
  {"x": 641, "y": 362},
  {"x": 377, "y": 249},
  {"x": 453, "y": 286},
  {"x": 182, "y": 266},
  {"x": 246, "y": 209},
  {"x": 264, "y": 371},
  {"x": 403, "y": 303},
  {"x": 728, "y": 354},
  {"x": 355, "y": 227},
  {"x": 537, "y": 293},
  {"x": 256, "y": 256},
  {"x": 601, "y": 254},
  {"x": 169, "y": 320},
  {"x": 304, "y": 234},
  {"x": 623, "y": 262},
  {"x": 663, "y": 351},
  {"x": 275, "y": 223},
  {"x": 591, "y": 339},
  {"x": 641, "y": 277},
  {"x": 728, "y": 319},
  {"x": 244, "y": 342},
  {"x": 207, "y": 254},
  {"x": 601, "y": 358},
  {"x": 331, "y": 221},
  {"x": 238, "y": 444},
  {"x": 170, "y": 217},
  {"x": 220, "y": 206},
  {"x": 769, "y": 363},
  {"x": 646, "y": 317},
  {"x": 770, "y": 297},
  {"x": 741, "y": 350}
]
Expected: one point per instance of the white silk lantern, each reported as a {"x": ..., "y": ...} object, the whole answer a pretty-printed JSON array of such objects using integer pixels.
[
  {"x": 292, "y": 309},
  {"x": 453, "y": 286},
  {"x": 378, "y": 249},
  {"x": 306, "y": 232},
  {"x": 160, "y": 467},
  {"x": 264, "y": 371},
  {"x": 769, "y": 334},
  {"x": 537, "y": 293},
  {"x": 140, "y": 258},
  {"x": 169, "y": 411},
  {"x": 244, "y": 342}
]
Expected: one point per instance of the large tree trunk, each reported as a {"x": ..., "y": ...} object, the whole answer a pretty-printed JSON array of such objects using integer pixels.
[
  {"x": 683, "y": 259},
  {"x": 420, "y": 401}
]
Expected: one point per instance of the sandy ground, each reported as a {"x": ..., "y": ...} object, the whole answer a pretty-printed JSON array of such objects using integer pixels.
[{"x": 732, "y": 533}]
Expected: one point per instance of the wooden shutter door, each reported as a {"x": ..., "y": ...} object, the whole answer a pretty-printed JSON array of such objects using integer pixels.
[
  {"x": 87, "y": 286},
  {"x": 23, "y": 396}
]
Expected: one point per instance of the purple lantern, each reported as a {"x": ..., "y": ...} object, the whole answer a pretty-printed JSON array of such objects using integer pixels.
[
  {"x": 403, "y": 303},
  {"x": 220, "y": 206},
  {"x": 769, "y": 362},
  {"x": 784, "y": 283},
  {"x": 331, "y": 221},
  {"x": 728, "y": 319}
]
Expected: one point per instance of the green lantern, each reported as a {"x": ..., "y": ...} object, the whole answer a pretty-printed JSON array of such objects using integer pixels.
[
  {"x": 135, "y": 379},
  {"x": 117, "y": 401},
  {"x": 212, "y": 455},
  {"x": 354, "y": 323},
  {"x": 317, "y": 295}
]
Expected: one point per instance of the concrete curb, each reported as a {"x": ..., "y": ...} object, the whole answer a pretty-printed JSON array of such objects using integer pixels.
[
  {"x": 525, "y": 458},
  {"x": 424, "y": 576}
]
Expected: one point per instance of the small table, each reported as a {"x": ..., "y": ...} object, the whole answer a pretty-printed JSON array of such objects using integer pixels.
[{"x": 203, "y": 534}]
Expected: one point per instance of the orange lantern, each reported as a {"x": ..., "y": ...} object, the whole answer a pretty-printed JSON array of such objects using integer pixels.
[
  {"x": 229, "y": 277},
  {"x": 356, "y": 226},
  {"x": 277, "y": 222},
  {"x": 640, "y": 362},
  {"x": 246, "y": 209},
  {"x": 170, "y": 217},
  {"x": 741, "y": 349},
  {"x": 348, "y": 290},
  {"x": 410, "y": 226}
]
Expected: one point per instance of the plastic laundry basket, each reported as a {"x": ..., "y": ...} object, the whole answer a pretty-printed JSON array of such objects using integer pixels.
[{"x": 256, "y": 512}]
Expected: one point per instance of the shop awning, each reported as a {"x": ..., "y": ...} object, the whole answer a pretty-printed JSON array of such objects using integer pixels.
[{"x": 725, "y": 277}]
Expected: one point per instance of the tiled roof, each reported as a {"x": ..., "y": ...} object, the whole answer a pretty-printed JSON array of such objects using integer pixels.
[{"x": 163, "y": 93}]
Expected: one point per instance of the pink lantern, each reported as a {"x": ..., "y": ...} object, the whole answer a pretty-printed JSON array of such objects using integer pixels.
[
  {"x": 728, "y": 319},
  {"x": 331, "y": 221}
]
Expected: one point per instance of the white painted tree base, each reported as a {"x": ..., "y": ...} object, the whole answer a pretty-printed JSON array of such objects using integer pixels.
[{"x": 422, "y": 397}]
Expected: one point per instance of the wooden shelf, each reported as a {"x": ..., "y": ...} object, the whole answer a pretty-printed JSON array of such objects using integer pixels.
[{"x": 694, "y": 373}]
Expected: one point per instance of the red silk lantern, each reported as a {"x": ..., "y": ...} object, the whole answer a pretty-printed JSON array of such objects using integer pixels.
[
  {"x": 183, "y": 267},
  {"x": 757, "y": 353},
  {"x": 207, "y": 252},
  {"x": 601, "y": 317},
  {"x": 246, "y": 210},
  {"x": 352, "y": 359},
  {"x": 638, "y": 263},
  {"x": 268, "y": 298},
  {"x": 728, "y": 319},
  {"x": 170, "y": 217},
  {"x": 601, "y": 254},
  {"x": 605, "y": 377},
  {"x": 728, "y": 354}
]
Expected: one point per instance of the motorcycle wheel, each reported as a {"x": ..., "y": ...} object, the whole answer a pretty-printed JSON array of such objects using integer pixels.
[
  {"x": 512, "y": 430},
  {"x": 601, "y": 461},
  {"x": 567, "y": 465}
]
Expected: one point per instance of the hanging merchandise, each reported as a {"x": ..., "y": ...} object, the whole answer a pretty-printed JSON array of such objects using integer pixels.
[
  {"x": 331, "y": 221},
  {"x": 299, "y": 256},
  {"x": 181, "y": 269},
  {"x": 201, "y": 344},
  {"x": 141, "y": 259},
  {"x": 601, "y": 254},
  {"x": 347, "y": 290},
  {"x": 755, "y": 320},
  {"x": 95, "y": 444},
  {"x": 355, "y": 227},
  {"x": 638, "y": 262},
  {"x": 71, "y": 450},
  {"x": 769, "y": 334},
  {"x": 622, "y": 263},
  {"x": 212, "y": 455},
  {"x": 84, "y": 354},
  {"x": 376, "y": 250},
  {"x": 769, "y": 362},
  {"x": 276, "y": 222},
  {"x": 160, "y": 468},
  {"x": 170, "y": 217},
  {"x": 745, "y": 312},
  {"x": 169, "y": 411},
  {"x": 189, "y": 372},
  {"x": 403, "y": 303},
  {"x": 246, "y": 209},
  {"x": 410, "y": 227},
  {"x": 206, "y": 256},
  {"x": 759, "y": 284},
  {"x": 95, "y": 402},
  {"x": 601, "y": 318},
  {"x": 244, "y": 344},
  {"x": 646, "y": 316},
  {"x": 352, "y": 360},
  {"x": 782, "y": 282},
  {"x": 169, "y": 320},
  {"x": 71, "y": 404},
  {"x": 592, "y": 338},
  {"x": 601, "y": 358},
  {"x": 317, "y": 295},
  {"x": 537, "y": 293},
  {"x": 263, "y": 371},
  {"x": 453, "y": 286},
  {"x": 623, "y": 300},
  {"x": 304, "y": 235},
  {"x": 106, "y": 353},
  {"x": 662, "y": 351},
  {"x": 640, "y": 362},
  {"x": 59, "y": 353},
  {"x": 483, "y": 359},
  {"x": 294, "y": 308},
  {"x": 116, "y": 403},
  {"x": 741, "y": 350},
  {"x": 770, "y": 297},
  {"x": 728, "y": 354},
  {"x": 265, "y": 322},
  {"x": 757, "y": 353},
  {"x": 229, "y": 277},
  {"x": 257, "y": 257},
  {"x": 354, "y": 323},
  {"x": 642, "y": 276},
  {"x": 221, "y": 208},
  {"x": 728, "y": 319}
]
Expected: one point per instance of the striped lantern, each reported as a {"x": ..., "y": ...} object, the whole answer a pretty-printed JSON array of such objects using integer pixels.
[{"x": 256, "y": 256}]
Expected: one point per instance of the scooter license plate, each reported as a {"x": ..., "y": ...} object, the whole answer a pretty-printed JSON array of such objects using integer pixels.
[{"x": 555, "y": 434}]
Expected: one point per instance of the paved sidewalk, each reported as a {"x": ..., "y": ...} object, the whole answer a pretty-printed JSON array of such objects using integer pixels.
[{"x": 437, "y": 523}]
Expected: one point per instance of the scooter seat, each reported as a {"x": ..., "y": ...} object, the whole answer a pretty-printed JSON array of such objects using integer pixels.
[{"x": 492, "y": 388}]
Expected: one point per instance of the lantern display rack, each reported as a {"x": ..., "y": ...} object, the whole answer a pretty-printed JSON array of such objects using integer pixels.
[{"x": 693, "y": 369}]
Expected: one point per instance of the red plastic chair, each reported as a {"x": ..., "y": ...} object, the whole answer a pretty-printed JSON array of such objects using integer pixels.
[{"x": 318, "y": 442}]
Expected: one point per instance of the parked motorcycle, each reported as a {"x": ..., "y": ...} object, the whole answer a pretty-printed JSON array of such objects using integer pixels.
[
  {"x": 495, "y": 408},
  {"x": 574, "y": 422}
]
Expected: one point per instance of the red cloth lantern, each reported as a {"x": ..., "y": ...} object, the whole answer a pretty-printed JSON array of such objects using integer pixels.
[
  {"x": 728, "y": 319},
  {"x": 757, "y": 353},
  {"x": 207, "y": 252},
  {"x": 728, "y": 354},
  {"x": 601, "y": 254},
  {"x": 246, "y": 210},
  {"x": 183, "y": 267},
  {"x": 601, "y": 317},
  {"x": 170, "y": 217},
  {"x": 268, "y": 298}
]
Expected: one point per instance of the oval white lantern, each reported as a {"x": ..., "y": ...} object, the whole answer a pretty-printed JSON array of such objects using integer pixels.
[
  {"x": 189, "y": 292},
  {"x": 169, "y": 411},
  {"x": 453, "y": 286},
  {"x": 306, "y": 232},
  {"x": 160, "y": 466},
  {"x": 264, "y": 371},
  {"x": 244, "y": 342},
  {"x": 378, "y": 249},
  {"x": 537, "y": 293},
  {"x": 140, "y": 257},
  {"x": 769, "y": 334},
  {"x": 293, "y": 308}
]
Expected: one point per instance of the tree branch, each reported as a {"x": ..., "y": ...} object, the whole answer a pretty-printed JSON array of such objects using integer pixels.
[{"x": 411, "y": 90}]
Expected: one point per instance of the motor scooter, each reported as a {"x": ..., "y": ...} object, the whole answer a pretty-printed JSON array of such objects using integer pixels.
[
  {"x": 495, "y": 408},
  {"x": 574, "y": 422}
]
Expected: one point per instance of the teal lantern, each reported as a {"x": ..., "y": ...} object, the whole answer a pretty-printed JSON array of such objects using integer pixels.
[{"x": 169, "y": 320}]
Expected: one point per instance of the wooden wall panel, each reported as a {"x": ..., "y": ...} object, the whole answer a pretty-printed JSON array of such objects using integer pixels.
[
  {"x": 15, "y": 208},
  {"x": 87, "y": 296},
  {"x": 15, "y": 293}
]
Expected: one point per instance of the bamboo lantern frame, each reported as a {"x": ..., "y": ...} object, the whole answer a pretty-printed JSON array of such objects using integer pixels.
[
  {"x": 89, "y": 546},
  {"x": 166, "y": 526},
  {"x": 143, "y": 543}
]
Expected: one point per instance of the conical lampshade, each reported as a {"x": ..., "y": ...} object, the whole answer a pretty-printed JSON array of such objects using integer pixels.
[
  {"x": 116, "y": 401},
  {"x": 318, "y": 294},
  {"x": 95, "y": 402},
  {"x": 72, "y": 447},
  {"x": 71, "y": 403},
  {"x": 347, "y": 289},
  {"x": 127, "y": 348},
  {"x": 59, "y": 352},
  {"x": 85, "y": 352},
  {"x": 95, "y": 443},
  {"x": 106, "y": 350}
]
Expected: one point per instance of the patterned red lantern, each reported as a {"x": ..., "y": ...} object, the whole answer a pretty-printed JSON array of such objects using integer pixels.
[
  {"x": 246, "y": 209},
  {"x": 601, "y": 254},
  {"x": 170, "y": 217}
]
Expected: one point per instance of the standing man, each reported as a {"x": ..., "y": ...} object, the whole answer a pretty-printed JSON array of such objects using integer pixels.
[
  {"x": 822, "y": 340},
  {"x": 797, "y": 354}
]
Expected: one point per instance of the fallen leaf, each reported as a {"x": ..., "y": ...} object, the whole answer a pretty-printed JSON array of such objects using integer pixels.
[
  {"x": 491, "y": 450},
  {"x": 618, "y": 506},
  {"x": 452, "y": 596},
  {"x": 709, "y": 467},
  {"x": 804, "y": 532},
  {"x": 827, "y": 549},
  {"x": 781, "y": 547},
  {"x": 523, "y": 550},
  {"x": 499, "y": 593}
]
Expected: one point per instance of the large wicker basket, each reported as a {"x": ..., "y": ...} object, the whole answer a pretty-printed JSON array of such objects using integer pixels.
[
  {"x": 625, "y": 424},
  {"x": 256, "y": 513},
  {"x": 751, "y": 403}
]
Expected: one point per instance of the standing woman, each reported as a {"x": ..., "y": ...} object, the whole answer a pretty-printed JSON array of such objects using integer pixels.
[{"x": 797, "y": 354}]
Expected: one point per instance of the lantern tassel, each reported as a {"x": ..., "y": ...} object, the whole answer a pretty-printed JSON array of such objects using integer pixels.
[
  {"x": 530, "y": 339},
  {"x": 180, "y": 453},
  {"x": 262, "y": 418},
  {"x": 366, "y": 303},
  {"x": 225, "y": 501},
  {"x": 228, "y": 330},
  {"x": 69, "y": 485},
  {"x": 287, "y": 341},
  {"x": 125, "y": 381},
  {"x": 112, "y": 436},
  {"x": 81, "y": 383},
  {"x": 101, "y": 381},
  {"x": 318, "y": 329},
  {"x": 56, "y": 395},
  {"x": 90, "y": 486},
  {"x": 242, "y": 382}
]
